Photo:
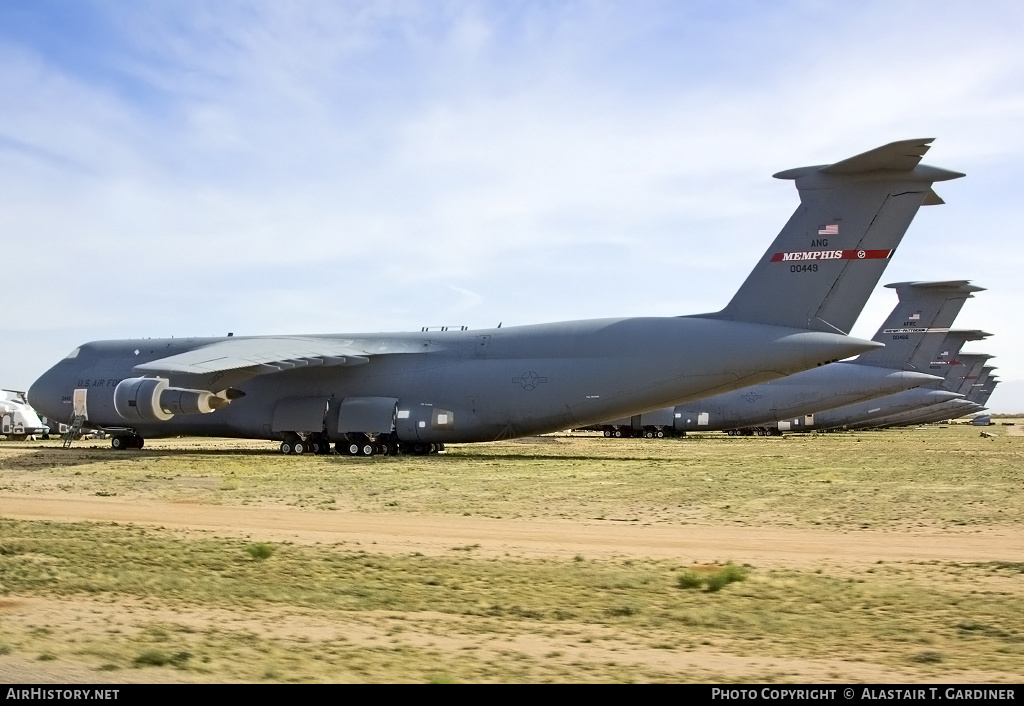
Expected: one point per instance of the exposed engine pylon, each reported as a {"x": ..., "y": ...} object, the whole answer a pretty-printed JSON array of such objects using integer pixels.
[{"x": 153, "y": 400}]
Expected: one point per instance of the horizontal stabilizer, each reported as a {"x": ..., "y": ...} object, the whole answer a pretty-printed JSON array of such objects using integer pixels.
[{"x": 903, "y": 155}]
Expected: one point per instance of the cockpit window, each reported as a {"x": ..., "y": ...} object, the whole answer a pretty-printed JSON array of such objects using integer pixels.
[{"x": 73, "y": 354}]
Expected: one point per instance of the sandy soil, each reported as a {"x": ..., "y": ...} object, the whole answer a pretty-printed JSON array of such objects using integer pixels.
[
  {"x": 399, "y": 533},
  {"x": 449, "y": 634},
  {"x": 834, "y": 551}
]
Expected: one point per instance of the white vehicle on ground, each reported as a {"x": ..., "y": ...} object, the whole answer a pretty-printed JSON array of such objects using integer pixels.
[{"x": 18, "y": 421}]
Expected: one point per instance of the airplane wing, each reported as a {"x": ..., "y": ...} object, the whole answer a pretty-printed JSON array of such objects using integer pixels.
[{"x": 225, "y": 363}]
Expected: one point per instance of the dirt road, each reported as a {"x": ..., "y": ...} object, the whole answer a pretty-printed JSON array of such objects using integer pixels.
[{"x": 402, "y": 533}]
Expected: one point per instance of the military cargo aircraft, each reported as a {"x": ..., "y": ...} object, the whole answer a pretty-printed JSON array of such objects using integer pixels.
[
  {"x": 975, "y": 389},
  {"x": 411, "y": 392},
  {"x": 912, "y": 334},
  {"x": 869, "y": 414},
  {"x": 967, "y": 403}
]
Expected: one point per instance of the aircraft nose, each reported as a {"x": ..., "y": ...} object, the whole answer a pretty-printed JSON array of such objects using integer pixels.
[{"x": 44, "y": 395}]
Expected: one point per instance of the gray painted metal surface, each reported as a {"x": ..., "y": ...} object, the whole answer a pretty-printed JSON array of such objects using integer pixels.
[
  {"x": 957, "y": 368},
  {"x": 966, "y": 383},
  {"x": 975, "y": 401},
  {"x": 792, "y": 314},
  {"x": 912, "y": 334}
]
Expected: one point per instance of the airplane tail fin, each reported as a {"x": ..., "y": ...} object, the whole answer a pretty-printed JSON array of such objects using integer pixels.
[
  {"x": 948, "y": 362},
  {"x": 828, "y": 258},
  {"x": 948, "y": 355},
  {"x": 963, "y": 380},
  {"x": 985, "y": 392},
  {"x": 916, "y": 328}
]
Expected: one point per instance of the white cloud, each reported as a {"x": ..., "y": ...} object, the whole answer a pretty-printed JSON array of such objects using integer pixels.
[{"x": 320, "y": 167}]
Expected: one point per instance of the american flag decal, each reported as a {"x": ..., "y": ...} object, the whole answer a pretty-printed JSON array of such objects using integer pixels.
[{"x": 830, "y": 229}]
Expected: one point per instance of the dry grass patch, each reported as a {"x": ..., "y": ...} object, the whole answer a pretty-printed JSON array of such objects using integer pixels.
[
  {"x": 893, "y": 479},
  {"x": 149, "y": 604},
  {"x": 895, "y": 617}
]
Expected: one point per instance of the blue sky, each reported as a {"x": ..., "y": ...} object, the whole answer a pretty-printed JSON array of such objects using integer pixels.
[{"x": 197, "y": 168}]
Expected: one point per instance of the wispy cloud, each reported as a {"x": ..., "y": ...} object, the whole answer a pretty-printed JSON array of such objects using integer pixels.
[{"x": 313, "y": 166}]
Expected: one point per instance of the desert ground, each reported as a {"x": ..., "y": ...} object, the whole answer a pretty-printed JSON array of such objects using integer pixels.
[{"x": 882, "y": 556}]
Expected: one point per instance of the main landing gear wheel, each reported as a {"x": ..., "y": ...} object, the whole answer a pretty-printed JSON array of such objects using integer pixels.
[
  {"x": 353, "y": 448},
  {"x": 319, "y": 445},
  {"x": 293, "y": 444},
  {"x": 126, "y": 441}
]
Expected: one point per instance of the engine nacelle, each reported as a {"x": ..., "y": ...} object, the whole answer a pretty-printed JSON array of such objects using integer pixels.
[
  {"x": 152, "y": 400},
  {"x": 176, "y": 400}
]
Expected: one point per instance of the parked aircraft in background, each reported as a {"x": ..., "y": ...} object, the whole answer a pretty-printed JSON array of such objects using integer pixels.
[
  {"x": 957, "y": 366},
  {"x": 975, "y": 390},
  {"x": 382, "y": 392},
  {"x": 18, "y": 420},
  {"x": 912, "y": 335}
]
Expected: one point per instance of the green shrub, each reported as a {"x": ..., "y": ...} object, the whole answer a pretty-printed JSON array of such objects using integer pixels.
[
  {"x": 713, "y": 581},
  {"x": 690, "y": 579},
  {"x": 730, "y": 573},
  {"x": 261, "y": 551},
  {"x": 152, "y": 658}
]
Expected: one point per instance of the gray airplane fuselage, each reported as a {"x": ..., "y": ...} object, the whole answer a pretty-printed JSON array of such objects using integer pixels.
[
  {"x": 867, "y": 413},
  {"x": 912, "y": 333},
  {"x": 954, "y": 384},
  {"x": 490, "y": 384},
  {"x": 942, "y": 411},
  {"x": 796, "y": 395},
  {"x": 951, "y": 409}
]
